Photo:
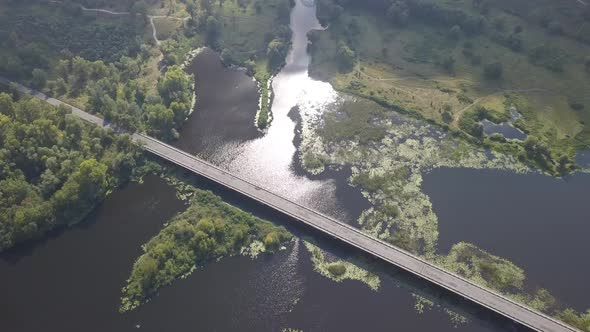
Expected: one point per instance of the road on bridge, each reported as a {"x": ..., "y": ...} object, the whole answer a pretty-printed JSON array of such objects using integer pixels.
[{"x": 339, "y": 230}]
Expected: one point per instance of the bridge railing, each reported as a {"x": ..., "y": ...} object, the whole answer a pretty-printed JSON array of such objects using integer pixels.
[{"x": 371, "y": 238}]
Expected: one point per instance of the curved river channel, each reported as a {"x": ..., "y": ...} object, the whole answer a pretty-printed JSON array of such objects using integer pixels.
[{"x": 72, "y": 280}]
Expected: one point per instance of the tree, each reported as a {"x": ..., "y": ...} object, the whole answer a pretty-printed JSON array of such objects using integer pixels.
[
  {"x": 78, "y": 195},
  {"x": 175, "y": 85},
  {"x": 555, "y": 28},
  {"x": 54, "y": 170},
  {"x": 398, "y": 13},
  {"x": 328, "y": 12},
  {"x": 139, "y": 8},
  {"x": 284, "y": 11},
  {"x": 538, "y": 150},
  {"x": 33, "y": 55},
  {"x": 276, "y": 53},
  {"x": 448, "y": 63},
  {"x": 470, "y": 124},
  {"x": 213, "y": 29},
  {"x": 160, "y": 119},
  {"x": 39, "y": 79},
  {"x": 346, "y": 57},
  {"x": 6, "y": 104},
  {"x": 191, "y": 8},
  {"x": 493, "y": 71},
  {"x": 455, "y": 32},
  {"x": 337, "y": 269},
  {"x": 515, "y": 42},
  {"x": 13, "y": 39},
  {"x": 579, "y": 320},
  {"x": 564, "y": 164},
  {"x": 206, "y": 5},
  {"x": 447, "y": 117},
  {"x": 499, "y": 23}
]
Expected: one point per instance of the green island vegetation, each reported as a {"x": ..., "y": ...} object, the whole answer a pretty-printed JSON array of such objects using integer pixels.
[
  {"x": 454, "y": 63},
  {"x": 54, "y": 169},
  {"x": 340, "y": 270},
  {"x": 208, "y": 230}
]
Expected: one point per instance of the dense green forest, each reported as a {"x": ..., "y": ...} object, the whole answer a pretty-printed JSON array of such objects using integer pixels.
[
  {"x": 207, "y": 230},
  {"x": 53, "y": 168},
  {"x": 455, "y": 63},
  {"x": 110, "y": 63},
  {"x": 34, "y": 33},
  {"x": 102, "y": 63}
]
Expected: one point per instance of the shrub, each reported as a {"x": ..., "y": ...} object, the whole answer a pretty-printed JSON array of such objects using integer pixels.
[
  {"x": 471, "y": 125},
  {"x": 346, "y": 57},
  {"x": 547, "y": 56},
  {"x": 337, "y": 269},
  {"x": 493, "y": 71},
  {"x": 272, "y": 241},
  {"x": 39, "y": 79},
  {"x": 447, "y": 117}
]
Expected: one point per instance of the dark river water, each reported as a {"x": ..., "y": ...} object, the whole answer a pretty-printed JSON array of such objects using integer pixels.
[
  {"x": 72, "y": 280},
  {"x": 538, "y": 222}
]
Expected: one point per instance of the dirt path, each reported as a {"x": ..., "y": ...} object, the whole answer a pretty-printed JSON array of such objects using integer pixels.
[
  {"x": 478, "y": 100},
  {"x": 151, "y": 17},
  {"x": 458, "y": 114},
  {"x": 154, "y": 31},
  {"x": 106, "y": 11}
]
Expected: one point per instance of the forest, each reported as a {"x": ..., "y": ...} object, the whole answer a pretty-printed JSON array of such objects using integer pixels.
[{"x": 54, "y": 169}]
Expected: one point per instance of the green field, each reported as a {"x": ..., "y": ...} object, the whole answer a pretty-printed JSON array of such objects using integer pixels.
[{"x": 438, "y": 74}]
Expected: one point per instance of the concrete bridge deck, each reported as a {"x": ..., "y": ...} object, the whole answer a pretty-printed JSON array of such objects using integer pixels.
[{"x": 487, "y": 298}]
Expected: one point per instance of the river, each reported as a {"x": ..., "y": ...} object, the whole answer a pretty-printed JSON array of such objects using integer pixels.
[
  {"x": 538, "y": 222},
  {"x": 72, "y": 280}
]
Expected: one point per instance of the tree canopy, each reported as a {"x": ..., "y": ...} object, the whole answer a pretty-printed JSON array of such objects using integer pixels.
[
  {"x": 53, "y": 168},
  {"x": 207, "y": 230}
]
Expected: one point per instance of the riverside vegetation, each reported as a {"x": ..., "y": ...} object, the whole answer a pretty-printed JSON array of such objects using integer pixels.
[
  {"x": 476, "y": 67},
  {"x": 253, "y": 34},
  {"x": 388, "y": 154},
  {"x": 54, "y": 48},
  {"x": 456, "y": 63},
  {"x": 208, "y": 230},
  {"x": 54, "y": 169}
]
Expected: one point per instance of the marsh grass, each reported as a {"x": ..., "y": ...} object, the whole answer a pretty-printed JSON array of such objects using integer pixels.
[{"x": 400, "y": 68}]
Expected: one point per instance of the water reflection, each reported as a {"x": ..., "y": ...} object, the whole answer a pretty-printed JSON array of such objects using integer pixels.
[
  {"x": 267, "y": 159},
  {"x": 505, "y": 129}
]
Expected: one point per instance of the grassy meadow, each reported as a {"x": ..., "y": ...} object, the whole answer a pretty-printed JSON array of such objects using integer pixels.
[{"x": 438, "y": 74}]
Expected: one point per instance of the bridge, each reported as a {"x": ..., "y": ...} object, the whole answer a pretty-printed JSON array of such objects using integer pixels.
[{"x": 467, "y": 289}]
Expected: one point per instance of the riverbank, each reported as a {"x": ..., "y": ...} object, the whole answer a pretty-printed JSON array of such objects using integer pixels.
[{"x": 435, "y": 75}]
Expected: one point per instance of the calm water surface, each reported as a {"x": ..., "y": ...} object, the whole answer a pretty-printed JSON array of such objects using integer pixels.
[
  {"x": 538, "y": 222},
  {"x": 504, "y": 128},
  {"x": 72, "y": 280},
  {"x": 222, "y": 129}
]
